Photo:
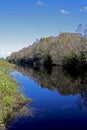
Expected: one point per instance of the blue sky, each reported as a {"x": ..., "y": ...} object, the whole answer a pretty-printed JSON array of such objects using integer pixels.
[{"x": 23, "y": 21}]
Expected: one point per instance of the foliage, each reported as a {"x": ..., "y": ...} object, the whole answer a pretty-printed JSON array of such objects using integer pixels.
[
  {"x": 56, "y": 47},
  {"x": 75, "y": 65},
  {"x": 70, "y": 58}
]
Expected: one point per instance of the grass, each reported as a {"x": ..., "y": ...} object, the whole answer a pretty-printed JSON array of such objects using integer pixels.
[{"x": 10, "y": 99}]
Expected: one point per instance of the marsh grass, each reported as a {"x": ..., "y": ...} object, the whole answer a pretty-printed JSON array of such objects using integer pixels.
[{"x": 10, "y": 99}]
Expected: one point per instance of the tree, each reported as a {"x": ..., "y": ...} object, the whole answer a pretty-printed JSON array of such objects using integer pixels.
[{"x": 79, "y": 29}]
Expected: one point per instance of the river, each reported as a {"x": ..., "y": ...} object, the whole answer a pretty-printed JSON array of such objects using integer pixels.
[{"x": 58, "y": 100}]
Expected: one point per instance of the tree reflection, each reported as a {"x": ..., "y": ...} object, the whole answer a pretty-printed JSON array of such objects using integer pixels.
[
  {"x": 82, "y": 101},
  {"x": 25, "y": 111},
  {"x": 57, "y": 79}
]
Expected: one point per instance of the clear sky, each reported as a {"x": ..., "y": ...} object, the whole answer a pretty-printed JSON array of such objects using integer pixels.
[{"x": 23, "y": 21}]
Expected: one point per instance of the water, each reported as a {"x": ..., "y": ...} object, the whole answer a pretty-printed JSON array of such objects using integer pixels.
[{"x": 58, "y": 101}]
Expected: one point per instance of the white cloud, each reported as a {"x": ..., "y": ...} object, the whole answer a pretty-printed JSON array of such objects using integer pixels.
[
  {"x": 40, "y": 3},
  {"x": 63, "y": 11},
  {"x": 4, "y": 54},
  {"x": 83, "y": 9}
]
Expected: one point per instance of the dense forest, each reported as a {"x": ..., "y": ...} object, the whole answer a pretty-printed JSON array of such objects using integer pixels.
[{"x": 64, "y": 49}]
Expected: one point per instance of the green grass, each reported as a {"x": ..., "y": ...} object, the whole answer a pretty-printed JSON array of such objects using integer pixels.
[{"x": 10, "y": 99}]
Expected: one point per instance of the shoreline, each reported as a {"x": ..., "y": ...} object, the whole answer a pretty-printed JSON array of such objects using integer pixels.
[{"x": 10, "y": 99}]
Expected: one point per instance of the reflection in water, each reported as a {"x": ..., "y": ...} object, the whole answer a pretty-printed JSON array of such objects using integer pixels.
[
  {"x": 57, "y": 79},
  {"x": 58, "y": 100},
  {"x": 25, "y": 111}
]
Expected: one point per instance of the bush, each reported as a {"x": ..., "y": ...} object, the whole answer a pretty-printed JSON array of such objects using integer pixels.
[{"x": 70, "y": 58}]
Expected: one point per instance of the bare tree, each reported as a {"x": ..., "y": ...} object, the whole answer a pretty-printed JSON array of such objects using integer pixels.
[{"x": 79, "y": 29}]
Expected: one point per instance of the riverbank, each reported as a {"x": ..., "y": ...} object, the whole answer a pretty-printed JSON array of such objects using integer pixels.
[
  {"x": 57, "y": 100},
  {"x": 10, "y": 98}
]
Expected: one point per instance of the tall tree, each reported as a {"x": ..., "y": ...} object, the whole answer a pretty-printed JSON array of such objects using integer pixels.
[{"x": 79, "y": 29}]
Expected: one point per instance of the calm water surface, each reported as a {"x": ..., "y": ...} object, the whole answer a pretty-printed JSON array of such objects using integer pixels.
[{"x": 58, "y": 101}]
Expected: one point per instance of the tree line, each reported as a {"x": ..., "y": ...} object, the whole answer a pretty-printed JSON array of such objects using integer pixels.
[{"x": 51, "y": 51}]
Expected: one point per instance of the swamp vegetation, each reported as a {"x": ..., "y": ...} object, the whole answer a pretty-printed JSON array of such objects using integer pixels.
[{"x": 10, "y": 98}]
